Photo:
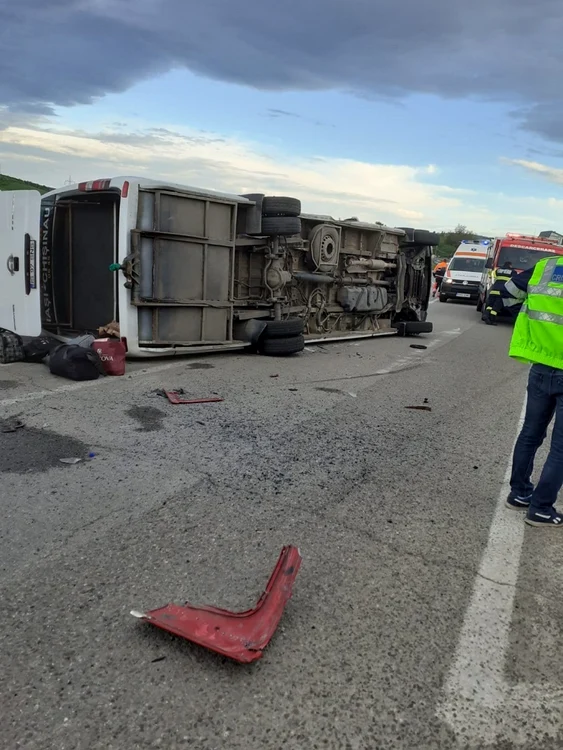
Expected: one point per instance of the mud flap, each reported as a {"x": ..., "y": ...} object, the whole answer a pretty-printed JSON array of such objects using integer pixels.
[{"x": 241, "y": 636}]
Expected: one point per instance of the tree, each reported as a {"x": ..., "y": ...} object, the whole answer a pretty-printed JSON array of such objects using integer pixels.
[{"x": 449, "y": 241}]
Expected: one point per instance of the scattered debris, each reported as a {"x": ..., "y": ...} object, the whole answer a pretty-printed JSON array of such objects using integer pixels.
[
  {"x": 12, "y": 425},
  {"x": 72, "y": 461},
  {"x": 241, "y": 636},
  {"x": 293, "y": 389},
  {"x": 419, "y": 408},
  {"x": 111, "y": 330},
  {"x": 158, "y": 658},
  {"x": 418, "y": 346},
  {"x": 274, "y": 376},
  {"x": 175, "y": 398},
  {"x": 309, "y": 349},
  {"x": 425, "y": 401},
  {"x": 354, "y": 395}
]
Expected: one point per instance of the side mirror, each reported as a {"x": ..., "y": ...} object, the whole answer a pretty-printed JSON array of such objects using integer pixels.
[{"x": 489, "y": 263}]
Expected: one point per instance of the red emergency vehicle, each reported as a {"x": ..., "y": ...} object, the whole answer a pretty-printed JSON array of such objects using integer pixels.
[{"x": 521, "y": 251}]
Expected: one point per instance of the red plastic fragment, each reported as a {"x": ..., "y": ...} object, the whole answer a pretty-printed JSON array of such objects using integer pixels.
[
  {"x": 241, "y": 636},
  {"x": 174, "y": 398}
]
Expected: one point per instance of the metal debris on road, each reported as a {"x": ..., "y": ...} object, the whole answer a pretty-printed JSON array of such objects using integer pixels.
[
  {"x": 71, "y": 461},
  {"x": 274, "y": 376},
  {"x": 11, "y": 425},
  {"x": 418, "y": 346},
  {"x": 241, "y": 636},
  {"x": 419, "y": 408},
  {"x": 175, "y": 398}
]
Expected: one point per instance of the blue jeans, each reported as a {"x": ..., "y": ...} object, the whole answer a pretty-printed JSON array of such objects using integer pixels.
[{"x": 545, "y": 398}]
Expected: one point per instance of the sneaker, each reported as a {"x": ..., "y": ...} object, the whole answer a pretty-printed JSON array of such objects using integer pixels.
[
  {"x": 518, "y": 503},
  {"x": 547, "y": 518}
]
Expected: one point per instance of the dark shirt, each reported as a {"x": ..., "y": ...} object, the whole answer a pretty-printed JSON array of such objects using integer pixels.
[{"x": 521, "y": 280}]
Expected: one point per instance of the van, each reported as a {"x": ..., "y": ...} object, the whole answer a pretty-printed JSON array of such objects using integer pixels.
[
  {"x": 464, "y": 271},
  {"x": 189, "y": 270}
]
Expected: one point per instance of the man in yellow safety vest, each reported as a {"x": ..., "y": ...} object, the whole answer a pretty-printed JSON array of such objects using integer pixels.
[{"x": 538, "y": 340}]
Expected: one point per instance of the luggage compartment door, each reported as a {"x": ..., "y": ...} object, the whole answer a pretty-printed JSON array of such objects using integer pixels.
[{"x": 184, "y": 246}]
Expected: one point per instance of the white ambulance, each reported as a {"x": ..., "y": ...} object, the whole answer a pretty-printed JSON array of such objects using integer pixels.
[{"x": 464, "y": 271}]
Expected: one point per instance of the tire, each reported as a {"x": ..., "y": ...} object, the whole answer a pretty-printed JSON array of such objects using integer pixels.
[
  {"x": 409, "y": 234},
  {"x": 443, "y": 297},
  {"x": 275, "y": 206},
  {"x": 479, "y": 304},
  {"x": 423, "y": 237},
  {"x": 282, "y": 329},
  {"x": 283, "y": 347},
  {"x": 284, "y": 226},
  {"x": 420, "y": 236}
]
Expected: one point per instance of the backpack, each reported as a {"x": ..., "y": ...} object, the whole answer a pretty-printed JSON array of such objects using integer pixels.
[
  {"x": 75, "y": 362},
  {"x": 38, "y": 348},
  {"x": 11, "y": 347}
]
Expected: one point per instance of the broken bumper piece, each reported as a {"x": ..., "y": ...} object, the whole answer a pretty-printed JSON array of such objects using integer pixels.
[{"x": 241, "y": 636}]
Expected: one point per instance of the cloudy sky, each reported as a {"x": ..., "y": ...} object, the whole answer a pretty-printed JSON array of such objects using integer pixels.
[{"x": 421, "y": 112}]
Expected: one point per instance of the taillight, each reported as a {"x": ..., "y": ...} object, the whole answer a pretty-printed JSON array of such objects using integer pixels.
[
  {"x": 125, "y": 189},
  {"x": 86, "y": 187}
]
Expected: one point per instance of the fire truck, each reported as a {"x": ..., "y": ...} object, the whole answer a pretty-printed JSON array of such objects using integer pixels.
[{"x": 521, "y": 251}]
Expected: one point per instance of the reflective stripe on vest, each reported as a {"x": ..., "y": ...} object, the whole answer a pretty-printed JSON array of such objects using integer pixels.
[
  {"x": 512, "y": 289},
  {"x": 538, "y": 333}
]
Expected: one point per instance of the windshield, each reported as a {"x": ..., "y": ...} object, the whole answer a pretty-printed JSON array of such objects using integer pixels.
[
  {"x": 467, "y": 264},
  {"x": 521, "y": 258}
]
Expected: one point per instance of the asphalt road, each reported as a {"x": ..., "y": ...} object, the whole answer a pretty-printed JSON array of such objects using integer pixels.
[{"x": 424, "y": 616}]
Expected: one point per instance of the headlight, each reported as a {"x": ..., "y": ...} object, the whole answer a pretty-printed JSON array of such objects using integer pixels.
[{"x": 449, "y": 281}]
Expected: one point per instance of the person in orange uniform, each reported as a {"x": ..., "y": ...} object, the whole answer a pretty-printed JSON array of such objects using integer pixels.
[{"x": 439, "y": 273}]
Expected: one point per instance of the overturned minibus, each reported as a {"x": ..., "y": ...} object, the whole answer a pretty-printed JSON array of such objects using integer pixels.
[{"x": 187, "y": 270}]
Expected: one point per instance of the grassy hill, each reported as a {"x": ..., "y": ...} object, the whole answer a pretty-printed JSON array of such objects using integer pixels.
[{"x": 14, "y": 183}]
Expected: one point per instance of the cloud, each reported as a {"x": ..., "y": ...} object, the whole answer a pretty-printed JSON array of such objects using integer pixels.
[
  {"x": 395, "y": 194},
  {"x": 275, "y": 113},
  {"x": 545, "y": 118},
  {"x": 549, "y": 173},
  {"x": 79, "y": 50}
]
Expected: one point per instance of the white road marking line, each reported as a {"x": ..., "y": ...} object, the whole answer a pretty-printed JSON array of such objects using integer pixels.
[
  {"x": 479, "y": 705},
  {"x": 70, "y": 387}
]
